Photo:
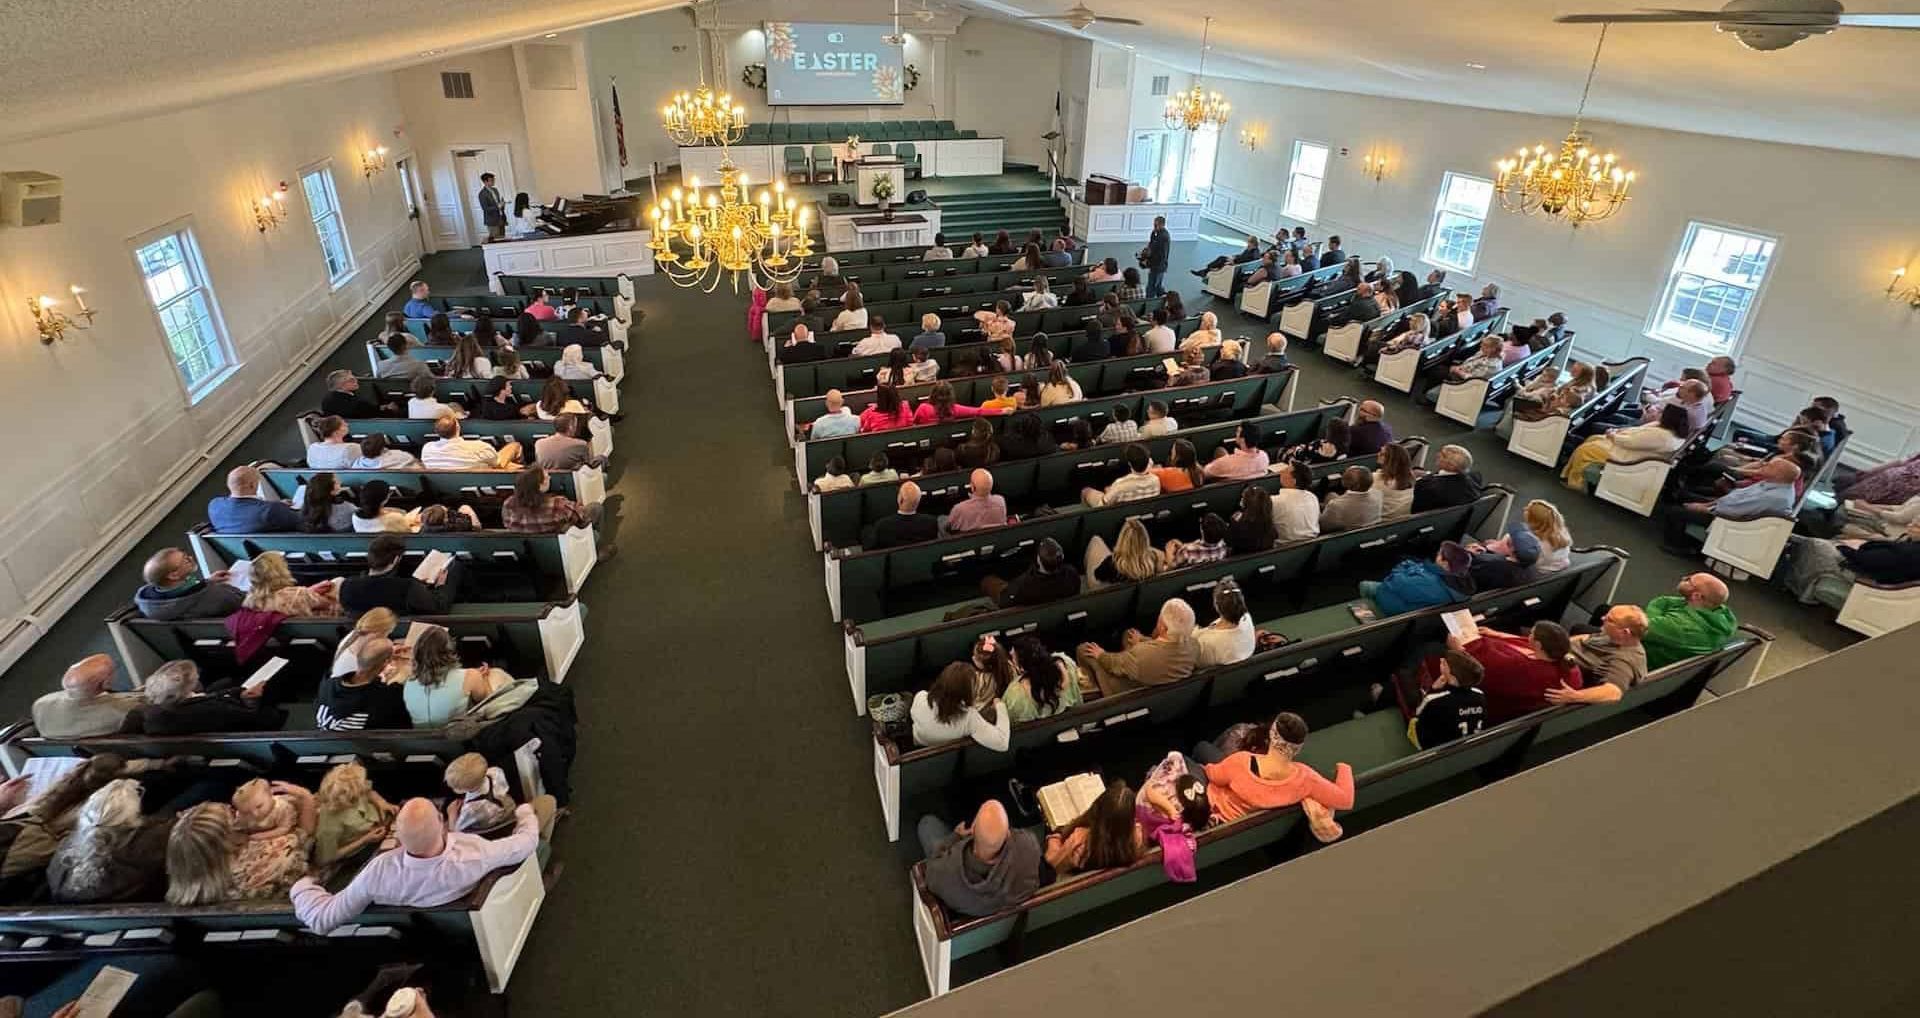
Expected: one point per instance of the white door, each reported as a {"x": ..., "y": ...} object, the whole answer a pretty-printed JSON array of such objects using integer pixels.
[
  {"x": 1143, "y": 162},
  {"x": 469, "y": 162}
]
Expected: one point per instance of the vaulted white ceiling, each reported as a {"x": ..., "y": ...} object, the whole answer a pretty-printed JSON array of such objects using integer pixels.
[
  {"x": 75, "y": 63},
  {"x": 1853, "y": 89}
]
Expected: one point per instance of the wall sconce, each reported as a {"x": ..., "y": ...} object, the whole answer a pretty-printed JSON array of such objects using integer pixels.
[
  {"x": 372, "y": 161},
  {"x": 53, "y": 324},
  {"x": 1251, "y": 138},
  {"x": 270, "y": 210},
  {"x": 1910, "y": 296},
  {"x": 1374, "y": 166}
]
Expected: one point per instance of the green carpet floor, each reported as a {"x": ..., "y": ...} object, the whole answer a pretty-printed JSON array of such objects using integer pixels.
[{"x": 726, "y": 854}]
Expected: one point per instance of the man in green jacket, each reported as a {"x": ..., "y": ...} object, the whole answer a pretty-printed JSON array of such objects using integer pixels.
[{"x": 1693, "y": 621}]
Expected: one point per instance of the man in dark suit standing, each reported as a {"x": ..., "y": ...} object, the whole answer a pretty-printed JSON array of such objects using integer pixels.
[
  {"x": 1158, "y": 252},
  {"x": 493, "y": 210},
  {"x": 1332, "y": 255}
]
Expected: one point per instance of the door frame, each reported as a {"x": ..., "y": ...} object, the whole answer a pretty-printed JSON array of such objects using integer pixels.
[
  {"x": 470, "y": 235},
  {"x": 408, "y": 163}
]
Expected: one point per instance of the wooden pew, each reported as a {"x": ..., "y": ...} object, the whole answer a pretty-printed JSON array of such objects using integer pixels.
[
  {"x": 1404, "y": 369},
  {"x": 554, "y": 565},
  {"x": 1466, "y": 401},
  {"x": 586, "y": 485},
  {"x": 1543, "y": 441},
  {"x": 597, "y": 394},
  {"x": 899, "y": 654},
  {"x": 1346, "y": 341},
  {"x": 609, "y": 360},
  {"x": 1327, "y": 649},
  {"x": 839, "y": 518},
  {"x": 1740, "y": 547},
  {"x": 1307, "y": 317},
  {"x": 1262, "y": 300},
  {"x": 1635, "y": 483},
  {"x": 1389, "y": 776},
  {"x": 412, "y": 434},
  {"x": 904, "y": 302}
]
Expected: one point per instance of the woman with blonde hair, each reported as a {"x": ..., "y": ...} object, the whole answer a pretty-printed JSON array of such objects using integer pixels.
[
  {"x": 114, "y": 853},
  {"x": 782, "y": 299},
  {"x": 351, "y": 816},
  {"x": 274, "y": 590},
  {"x": 210, "y": 861},
  {"x": 1041, "y": 297},
  {"x": 1059, "y": 387},
  {"x": 441, "y": 688},
  {"x": 1544, "y": 519},
  {"x": 1132, "y": 557},
  {"x": 376, "y": 622}
]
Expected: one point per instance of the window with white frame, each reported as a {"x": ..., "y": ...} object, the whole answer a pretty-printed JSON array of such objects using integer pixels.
[
  {"x": 176, "y": 281},
  {"x": 1303, "y": 181},
  {"x": 1714, "y": 281},
  {"x": 324, "y": 203},
  {"x": 1459, "y": 217}
]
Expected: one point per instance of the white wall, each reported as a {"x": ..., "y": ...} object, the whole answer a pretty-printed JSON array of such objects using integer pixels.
[
  {"x": 560, "y": 128},
  {"x": 1109, "y": 109},
  {"x": 109, "y": 442},
  {"x": 1822, "y": 325},
  {"x": 494, "y": 116},
  {"x": 989, "y": 76}
]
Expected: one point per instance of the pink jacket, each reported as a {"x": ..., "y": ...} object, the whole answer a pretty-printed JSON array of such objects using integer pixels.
[
  {"x": 755, "y": 310},
  {"x": 930, "y": 414},
  {"x": 1176, "y": 842}
]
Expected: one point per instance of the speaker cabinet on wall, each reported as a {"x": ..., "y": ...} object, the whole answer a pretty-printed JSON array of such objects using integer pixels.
[{"x": 29, "y": 198}]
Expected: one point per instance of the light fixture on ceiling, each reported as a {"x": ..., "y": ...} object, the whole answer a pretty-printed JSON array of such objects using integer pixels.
[
  {"x": 1579, "y": 185},
  {"x": 431, "y": 52},
  {"x": 270, "y": 210},
  {"x": 698, "y": 238},
  {"x": 1909, "y": 296},
  {"x": 1252, "y": 137},
  {"x": 700, "y": 117},
  {"x": 1476, "y": 66},
  {"x": 52, "y": 323},
  {"x": 372, "y": 161},
  {"x": 551, "y": 35},
  {"x": 1374, "y": 166},
  {"x": 1196, "y": 108}
]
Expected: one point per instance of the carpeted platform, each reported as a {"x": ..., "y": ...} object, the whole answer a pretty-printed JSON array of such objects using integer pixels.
[{"x": 726, "y": 856}]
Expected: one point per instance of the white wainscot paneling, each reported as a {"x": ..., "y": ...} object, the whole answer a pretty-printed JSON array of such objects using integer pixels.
[
  {"x": 446, "y": 225},
  {"x": 44, "y": 556}
]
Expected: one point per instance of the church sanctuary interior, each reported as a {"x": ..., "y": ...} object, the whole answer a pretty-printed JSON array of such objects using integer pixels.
[{"x": 959, "y": 508}]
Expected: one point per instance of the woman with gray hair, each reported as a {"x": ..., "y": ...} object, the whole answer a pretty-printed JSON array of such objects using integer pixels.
[
  {"x": 1166, "y": 656},
  {"x": 114, "y": 853},
  {"x": 176, "y": 705}
]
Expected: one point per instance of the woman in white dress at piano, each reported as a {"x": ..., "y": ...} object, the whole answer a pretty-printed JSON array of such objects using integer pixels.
[{"x": 525, "y": 215}]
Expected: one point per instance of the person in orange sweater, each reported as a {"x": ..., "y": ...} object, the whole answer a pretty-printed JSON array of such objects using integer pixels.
[{"x": 1240, "y": 783}]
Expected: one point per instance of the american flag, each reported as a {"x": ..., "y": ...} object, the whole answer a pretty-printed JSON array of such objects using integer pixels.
[{"x": 619, "y": 127}]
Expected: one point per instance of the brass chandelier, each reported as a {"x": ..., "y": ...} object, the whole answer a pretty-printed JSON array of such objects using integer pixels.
[
  {"x": 1577, "y": 185},
  {"x": 700, "y": 236},
  {"x": 702, "y": 118},
  {"x": 1195, "y": 108}
]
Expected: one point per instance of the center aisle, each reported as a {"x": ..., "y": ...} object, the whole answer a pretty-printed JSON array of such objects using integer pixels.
[{"x": 726, "y": 856}]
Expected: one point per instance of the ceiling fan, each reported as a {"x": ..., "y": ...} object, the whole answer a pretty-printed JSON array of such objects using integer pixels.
[
  {"x": 1760, "y": 24},
  {"x": 1080, "y": 18}
]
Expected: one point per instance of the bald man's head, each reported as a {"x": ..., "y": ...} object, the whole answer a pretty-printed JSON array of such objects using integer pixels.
[
  {"x": 243, "y": 482},
  {"x": 980, "y": 482},
  {"x": 1371, "y": 410},
  {"x": 909, "y": 498},
  {"x": 168, "y": 567},
  {"x": 88, "y": 677},
  {"x": 835, "y": 401},
  {"x": 1276, "y": 343},
  {"x": 419, "y": 829},
  {"x": 1704, "y": 590},
  {"x": 1693, "y": 390},
  {"x": 989, "y": 830}
]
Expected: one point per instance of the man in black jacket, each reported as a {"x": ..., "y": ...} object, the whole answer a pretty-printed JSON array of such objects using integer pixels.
[
  {"x": 581, "y": 331},
  {"x": 343, "y": 398},
  {"x": 800, "y": 347},
  {"x": 383, "y": 586},
  {"x": 1454, "y": 483},
  {"x": 1332, "y": 255},
  {"x": 1154, "y": 259},
  {"x": 906, "y": 526},
  {"x": 177, "y": 706}
]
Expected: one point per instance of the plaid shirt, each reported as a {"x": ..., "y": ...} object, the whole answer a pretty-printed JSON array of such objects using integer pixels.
[
  {"x": 1197, "y": 552},
  {"x": 1131, "y": 292},
  {"x": 554, "y": 514},
  {"x": 1119, "y": 431}
]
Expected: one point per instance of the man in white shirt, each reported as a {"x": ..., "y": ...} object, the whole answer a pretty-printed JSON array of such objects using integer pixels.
[
  {"x": 1137, "y": 483},
  {"x": 453, "y": 452},
  {"x": 878, "y": 340},
  {"x": 837, "y": 422},
  {"x": 429, "y": 867},
  {"x": 939, "y": 252},
  {"x": 1158, "y": 423},
  {"x": 425, "y": 405},
  {"x": 1296, "y": 513},
  {"x": 977, "y": 249},
  {"x": 1160, "y": 338}
]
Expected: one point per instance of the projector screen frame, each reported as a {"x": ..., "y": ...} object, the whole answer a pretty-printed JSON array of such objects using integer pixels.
[{"x": 781, "y": 52}]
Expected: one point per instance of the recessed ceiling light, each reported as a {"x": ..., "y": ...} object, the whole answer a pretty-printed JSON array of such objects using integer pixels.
[
  {"x": 429, "y": 52},
  {"x": 1477, "y": 67},
  {"x": 551, "y": 35}
]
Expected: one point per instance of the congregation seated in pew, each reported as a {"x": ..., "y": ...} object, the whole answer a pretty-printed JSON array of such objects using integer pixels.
[
  {"x": 84, "y": 705},
  {"x": 174, "y": 589},
  {"x": 1665, "y": 436},
  {"x": 242, "y": 511}
]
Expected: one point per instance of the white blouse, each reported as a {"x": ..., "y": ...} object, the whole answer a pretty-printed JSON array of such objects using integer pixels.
[{"x": 929, "y": 730}]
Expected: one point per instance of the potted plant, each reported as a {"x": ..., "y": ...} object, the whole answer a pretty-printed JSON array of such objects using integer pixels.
[{"x": 883, "y": 193}]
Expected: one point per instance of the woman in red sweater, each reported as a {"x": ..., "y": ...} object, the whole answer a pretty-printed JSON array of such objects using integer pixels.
[
  {"x": 1240, "y": 783},
  {"x": 886, "y": 412},
  {"x": 1520, "y": 669},
  {"x": 939, "y": 406}
]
